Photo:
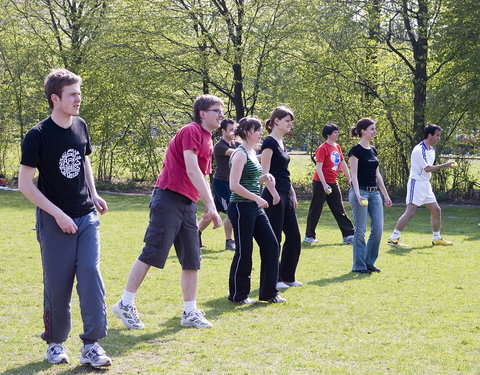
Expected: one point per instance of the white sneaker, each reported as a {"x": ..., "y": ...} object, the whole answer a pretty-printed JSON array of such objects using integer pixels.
[
  {"x": 282, "y": 285},
  {"x": 277, "y": 299},
  {"x": 248, "y": 301},
  {"x": 195, "y": 319},
  {"x": 310, "y": 240},
  {"x": 94, "y": 355},
  {"x": 56, "y": 353},
  {"x": 293, "y": 283},
  {"x": 128, "y": 314},
  {"x": 348, "y": 240}
]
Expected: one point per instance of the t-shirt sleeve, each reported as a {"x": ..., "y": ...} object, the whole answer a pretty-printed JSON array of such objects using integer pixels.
[
  {"x": 418, "y": 159},
  {"x": 190, "y": 139},
  {"x": 88, "y": 147},
  {"x": 31, "y": 149},
  {"x": 354, "y": 152},
  {"x": 268, "y": 143},
  {"x": 221, "y": 148}
]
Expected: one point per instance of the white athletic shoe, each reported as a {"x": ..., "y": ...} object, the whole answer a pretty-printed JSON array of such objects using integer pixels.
[
  {"x": 310, "y": 240},
  {"x": 56, "y": 353},
  {"x": 277, "y": 299},
  {"x": 195, "y": 319},
  {"x": 94, "y": 355},
  {"x": 128, "y": 314},
  {"x": 282, "y": 285},
  {"x": 248, "y": 301},
  {"x": 293, "y": 283}
]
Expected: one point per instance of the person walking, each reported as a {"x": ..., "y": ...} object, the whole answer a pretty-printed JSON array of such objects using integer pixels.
[
  {"x": 249, "y": 221},
  {"x": 329, "y": 160},
  {"x": 220, "y": 187},
  {"x": 281, "y": 197},
  {"x": 365, "y": 198},
  {"x": 173, "y": 209},
  {"x": 66, "y": 220},
  {"x": 419, "y": 189}
]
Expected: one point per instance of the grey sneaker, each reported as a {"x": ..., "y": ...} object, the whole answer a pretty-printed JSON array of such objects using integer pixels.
[
  {"x": 293, "y": 283},
  {"x": 282, "y": 285},
  {"x": 230, "y": 245},
  {"x": 277, "y": 299},
  {"x": 56, "y": 353},
  {"x": 195, "y": 319},
  {"x": 94, "y": 355},
  {"x": 348, "y": 240},
  {"x": 248, "y": 301},
  {"x": 310, "y": 240},
  {"x": 128, "y": 314}
]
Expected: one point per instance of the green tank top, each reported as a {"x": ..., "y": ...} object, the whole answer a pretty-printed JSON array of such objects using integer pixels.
[{"x": 249, "y": 179}]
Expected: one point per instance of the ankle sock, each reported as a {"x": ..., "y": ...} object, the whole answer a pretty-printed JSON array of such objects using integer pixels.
[{"x": 128, "y": 298}]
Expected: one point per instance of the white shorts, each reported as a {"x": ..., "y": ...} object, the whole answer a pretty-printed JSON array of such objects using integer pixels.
[{"x": 419, "y": 192}]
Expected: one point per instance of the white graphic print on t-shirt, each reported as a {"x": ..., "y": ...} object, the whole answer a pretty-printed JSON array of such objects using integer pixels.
[
  {"x": 69, "y": 163},
  {"x": 335, "y": 158}
]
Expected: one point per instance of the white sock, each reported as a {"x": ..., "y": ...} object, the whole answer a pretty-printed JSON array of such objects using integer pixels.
[
  {"x": 395, "y": 235},
  {"x": 128, "y": 298},
  {"x": 189, "y": 306},
  {"x": 436, "y": 236}
]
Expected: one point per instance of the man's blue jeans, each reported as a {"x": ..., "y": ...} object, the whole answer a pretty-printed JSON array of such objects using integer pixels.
[{"x": 365, "y": 254}]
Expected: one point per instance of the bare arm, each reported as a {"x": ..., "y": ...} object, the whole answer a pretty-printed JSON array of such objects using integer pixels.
[
  {"x": 321, "y": 176},
  {"x": 238, "y": 162},
  {"x": 433, "y": 168},
  {"x": 200, "y": 183},
  {"x": 354, "y": 177},
  {"x": 34, "y": 195},
  {"x": 99, "y": 203},
  {"x": 383, "y": 189},
  {"x": 346, "y": 172},
  {"x": 266, "y": 161}
]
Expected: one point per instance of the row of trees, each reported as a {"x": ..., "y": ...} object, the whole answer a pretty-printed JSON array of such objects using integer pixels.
[{"x": 403, "y": 62}]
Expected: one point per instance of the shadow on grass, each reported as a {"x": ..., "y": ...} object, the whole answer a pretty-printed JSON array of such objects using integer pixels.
[
  {"x": 404, "y": 251},
  {"x": 349, "y": 276}
]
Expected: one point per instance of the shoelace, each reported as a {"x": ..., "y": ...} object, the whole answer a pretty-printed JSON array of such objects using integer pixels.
[{"x": 133, "y": 311}]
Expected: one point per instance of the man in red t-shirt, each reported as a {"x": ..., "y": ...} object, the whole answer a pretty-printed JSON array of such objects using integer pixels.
[
  {"x": 329, "y": 160},
  {"x": 173, "y": 209}
]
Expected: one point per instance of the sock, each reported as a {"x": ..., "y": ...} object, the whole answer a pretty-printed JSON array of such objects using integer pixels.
[
  {"x": 436, "y": 236},
  {"x": 395, "y": 235},
  {"x": 189, "y": 306},
  {"x": 128, "y": 298}
]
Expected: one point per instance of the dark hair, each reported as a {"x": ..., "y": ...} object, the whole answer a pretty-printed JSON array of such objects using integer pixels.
[
  {"x": 362, "y": 124},
  {"x": 225, "y": 122},
  {"x": 279, "y": 112},
  {"x": 202, "y": 103},
  {"x": 56, "y": 80},
  {"x": 329, "y": 129},
  {"x": 245, "y": 125},
  {"x": 431, "y": 129}
]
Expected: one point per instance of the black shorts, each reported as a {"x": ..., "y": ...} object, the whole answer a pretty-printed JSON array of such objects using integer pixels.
[
  {"x": 173, "y": 220},
  {"x": 221, "y": 194}
]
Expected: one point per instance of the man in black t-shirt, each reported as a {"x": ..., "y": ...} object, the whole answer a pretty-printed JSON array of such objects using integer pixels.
[{"x": 66, "y": 220}]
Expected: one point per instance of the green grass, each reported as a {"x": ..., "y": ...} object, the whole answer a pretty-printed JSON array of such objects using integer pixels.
[{"x": 419, "y": 316}]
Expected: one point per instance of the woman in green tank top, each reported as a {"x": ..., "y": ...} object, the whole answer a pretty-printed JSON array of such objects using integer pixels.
[{"x": 249, "y": 220}]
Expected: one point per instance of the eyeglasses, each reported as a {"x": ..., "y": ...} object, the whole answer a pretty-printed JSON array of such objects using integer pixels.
[{"x": 219, "y": 111}]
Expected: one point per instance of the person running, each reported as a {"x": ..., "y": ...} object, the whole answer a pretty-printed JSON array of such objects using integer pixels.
[
  {"x": 66, "y": 220},
  {"x": 364, "y": 197},
  {"x": 173, "y": 210},
  {"x": 419, "y": 189},
  {"x": 220, "y": 188},
  {"x": 329, "y": 160},
  {"x": 249, "y": 220},
  {"x": 281, "y": 197}
]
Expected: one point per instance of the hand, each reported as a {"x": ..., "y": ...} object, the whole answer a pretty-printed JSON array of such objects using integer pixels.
[
  {"x": 262, "y": 203},
  {"x": 452, "y": 164},
  {"x": 66, "y": 224},
  {"x": 387, "y": 201},
  {"x": 276, "y": 199},
  {"x": 211, "y": 214},
  {"x": 361, "y": 201},
  {"x": 267, "y": 177},
  {"x": 295, "y": 203},
  {"x": 100, "y": 205}
]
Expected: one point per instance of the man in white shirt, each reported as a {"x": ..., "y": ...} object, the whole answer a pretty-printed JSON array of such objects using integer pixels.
[{"x": 419, "y": 189}]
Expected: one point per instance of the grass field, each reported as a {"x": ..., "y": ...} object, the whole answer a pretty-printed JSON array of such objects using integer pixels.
[{"x": 419, "y": 316}]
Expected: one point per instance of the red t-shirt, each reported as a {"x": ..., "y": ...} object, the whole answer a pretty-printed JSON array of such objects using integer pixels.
[
  {"x": 174, "y": 173},
  {"x": 331, "y": 157}
]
